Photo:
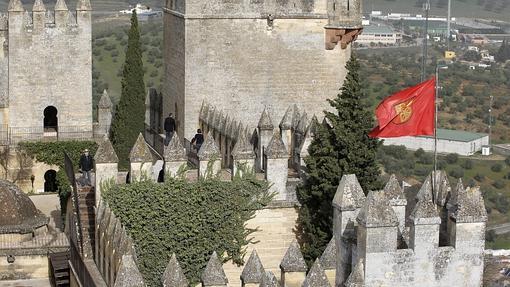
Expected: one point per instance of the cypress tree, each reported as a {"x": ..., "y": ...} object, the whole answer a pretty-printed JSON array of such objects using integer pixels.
[
  {"x": 129, "y": 117},
  {"x": 503, "y": 53},
  {"x": 341, "y": 146}
]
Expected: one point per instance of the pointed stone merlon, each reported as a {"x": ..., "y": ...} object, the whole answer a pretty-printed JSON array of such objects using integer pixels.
[
  {"x": 38, "y": 15},
  {"x": 213, "y": 275},
  {"x": 329, "y": 261},
  {"x": 140, "y": 160},
  {"x": 106, "y": 166},
  {"x": 347, "y": 202},
  {"x": 265, "y": 133},
  {"x": 469, "y": 221},
  {"x": 357, "y": 277},
  {"x": 286, "y": 128},
  {"x": 175, "y": 156},
  {"x": 209, "y": 158},
  {"x": 15, "y": 6},
  {"x": 253, "y": 271},
  {"x": 293, "y": 267},
  {"x": 276, "y": 158},
  {"x": 104, "y": 115},
  {"x": 84, "y": 14},
  {"x": 397, "y": 200},
  {"x": 316, "y": 277},
  {"x": 243, "y": 156},
  {"x": 128, "y": 274},
  {"x": 377, "y": 226},
  {"x": 269, "y": 280},
  {"x": 173, "y": 275},
  {"x": 61, "y": 14},
  {"x": 424, "y": 232}
]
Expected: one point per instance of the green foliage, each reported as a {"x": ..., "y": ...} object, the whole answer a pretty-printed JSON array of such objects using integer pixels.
[
  {"x": 472, "y": 56},
  {"x": 503, "y": 53},
  {"x": 499, "y": 184},
  {"x": 467, "y": 164},
  {"x": 52, "y": 153},
  {"x": 497, "y": 167},
  {"x": 452, "y": 158},
  {"x": 457, "y": 173},
  {"x": 341, "y": 147},
  {"x": 128, "y": 121},
  {"x": 192, "y": 219}
]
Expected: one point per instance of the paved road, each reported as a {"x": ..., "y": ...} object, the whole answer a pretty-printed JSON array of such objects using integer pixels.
[{"x": 500, "y": 228}]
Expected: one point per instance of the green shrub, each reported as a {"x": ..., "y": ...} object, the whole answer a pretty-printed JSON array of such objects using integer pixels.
[
  {"x": 190, "y": 219},
  {"x": 457, "y": 173},
  {"x": 421, "y": 171},
  {"x": 499, "y": 184},
  {"x": 497, "y": 167},
  {"x": 507, "y": 160},
  {"x": 467, "y": 164},
  {"x": 479, "y": 177},
  {"x": 452, "y": 158},
  {"x": 419, "y": 153}
]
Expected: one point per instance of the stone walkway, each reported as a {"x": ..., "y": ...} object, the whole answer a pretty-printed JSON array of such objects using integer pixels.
[{"x": 26, "y": 283}]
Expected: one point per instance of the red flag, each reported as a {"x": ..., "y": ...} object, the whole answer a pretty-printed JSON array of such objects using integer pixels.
[{"x": 409, "y": 112}]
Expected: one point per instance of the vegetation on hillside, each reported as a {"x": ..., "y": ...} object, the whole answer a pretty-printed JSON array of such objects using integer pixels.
[
  {"x": 129, "y": 117},
  {"x": 190, "y": 219},
  {"x": 341, "y": 146}
]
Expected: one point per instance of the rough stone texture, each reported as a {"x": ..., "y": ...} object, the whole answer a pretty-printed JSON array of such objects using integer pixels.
[
  {"x": 174, "y": 276},
  {"x": 276, "y": 148},
  {"x": 357, "y": 277},
  {"x": 425, "y": 212},
  {"x": 18, "y": 213},
  {"x": 128, "y": 274},
  {"x": 254, "y": 57},
  {"x": 213, "y": 274},
  {"x": 329, "y": 256},
  {"x": 265, "y": 122},
  {"x": 470, "y": 206},
  {"x": 243, "y": 149},
  {"x": 376, "y": 212},
  {"x": 394, "y": 192},
  {"x": 105, "y": 153},
  {"x": 175, "y": 151},
  {"x": 140, "y": 152},
  {"x": 48, "y": 65},
  {"x": 276, "y": 173},
  {"x": 209, "y": 149},
  {"x": 269, "y": 280},
  {"x": 316, "y": 276},
  {"x": 60, "y": 5},
  {"x": 253, "y": 271},
  {"x": 286, "y": 122},
  {"x": 349, "y": 194},
  {"x": 293, "y": 260}
]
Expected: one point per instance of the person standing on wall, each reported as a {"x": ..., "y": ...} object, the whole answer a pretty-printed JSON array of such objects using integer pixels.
[
  {"x": 169, "y": 128},
  {"x": 86, "y": 165},
  {"x": 198, "y": 139}
]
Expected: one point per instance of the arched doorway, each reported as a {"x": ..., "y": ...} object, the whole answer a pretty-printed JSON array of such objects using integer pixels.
[
  {"x": 50, "y": 119},
  {"x": 50, "y": 181}
]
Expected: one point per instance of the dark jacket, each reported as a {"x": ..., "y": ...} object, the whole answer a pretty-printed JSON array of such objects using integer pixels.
[
  {"x": 198, "y": 139},
  {"x": 86, "y": 162},
  {"x": 169, "y": 124}
]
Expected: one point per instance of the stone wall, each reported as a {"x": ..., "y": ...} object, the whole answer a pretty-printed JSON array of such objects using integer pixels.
[
  {"x": 24, "y": 267},
  {"x": 247, "y": 63},
  {"x": 50, "y": 64}
]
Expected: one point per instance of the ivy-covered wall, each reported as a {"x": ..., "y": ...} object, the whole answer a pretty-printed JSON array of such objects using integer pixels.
[{"x": 190, "y": 219}]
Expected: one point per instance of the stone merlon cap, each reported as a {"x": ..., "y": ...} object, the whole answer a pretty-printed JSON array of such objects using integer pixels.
[
  {"x": 328, "y": 258},
  {"x": 269, "y": 280},
  {"x": 312, "y": 128},
  {"x": 243, "y": 149},
  {"x": 425, "y": 213},
  {"x": 128, "y": 274},
  {"x": 104, "y": 102},
  {"x": 303, "y": 124},
  {"x": 470, "y": 206},
  {"x": 61, "y": 6},
  {"x": 276, "y": 148},
  {"x": 253, "y": 271},
  {"x": 15, "y": 6},
  {"x": 105, "y": 153},
  {"x": 213, "y": 274},
  {"x": 140, "y": 151},
  {"x": 293, "y": 260},
  {"x": 459, "y": 190},
  {"x": 286, "y": 122},
  {"x": 394, "y": 192},
  {"x": 265, "y": 122},
  {"x": 442, "y": 189},
  {"x": 316, "y": 277},
  {"x": 211, "y": 115},
  {"x": 296, "y": 116},
  {"x": 39, "y": 6},
  {"x": 377, "y": 212},
  {"x": 173, "y": 275},
  {"x": 357, "y": 277},
  {"x": 175, "y": 151},
  {"x": 203, "y": 110},
  {"x": 349, "y": 194},
  {"x": 208, "y": 150},
  {"x": 425, "y": 191},
  {"x": 83, "y": 5}
]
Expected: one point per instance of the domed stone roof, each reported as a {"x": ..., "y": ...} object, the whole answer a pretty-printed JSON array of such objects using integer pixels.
[{"x": 18, "y": 213}]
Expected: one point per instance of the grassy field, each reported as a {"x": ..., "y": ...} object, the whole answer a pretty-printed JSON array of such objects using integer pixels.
[{"x": 489, "y": 9}]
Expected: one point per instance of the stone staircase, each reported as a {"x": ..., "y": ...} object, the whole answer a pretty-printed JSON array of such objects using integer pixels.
[
  {"x": 86, "y": 203},
  {"x": 275, "y": 236},
  {"x": 59, "y": 266}
]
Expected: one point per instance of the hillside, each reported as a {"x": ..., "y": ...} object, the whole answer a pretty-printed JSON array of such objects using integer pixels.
[
  {"x": 483, "y": 9},
  {"x": 98, "y": 5}
]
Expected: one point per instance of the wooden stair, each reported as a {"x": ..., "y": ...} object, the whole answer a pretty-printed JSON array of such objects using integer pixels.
[{"x": 59, "y": 266}]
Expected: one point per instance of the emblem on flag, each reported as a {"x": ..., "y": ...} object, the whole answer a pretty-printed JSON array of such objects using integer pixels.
[{"x": 404, "y": 111}]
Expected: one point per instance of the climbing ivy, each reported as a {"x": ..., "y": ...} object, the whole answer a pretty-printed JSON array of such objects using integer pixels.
[
  {"x": 52, "y": 153},
  {"x": 190, "y": 219}
]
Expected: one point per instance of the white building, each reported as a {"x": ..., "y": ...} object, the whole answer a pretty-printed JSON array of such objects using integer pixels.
[
  {"x": 376, "y": 34},
  {"x": 448, "y": 141}
]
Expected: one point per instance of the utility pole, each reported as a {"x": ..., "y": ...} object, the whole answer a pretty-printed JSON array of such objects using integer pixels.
[
  {"x": 426, "y": 7},
  {"x": 448, "y": 26},
  {"x": 491, "y": 98}
]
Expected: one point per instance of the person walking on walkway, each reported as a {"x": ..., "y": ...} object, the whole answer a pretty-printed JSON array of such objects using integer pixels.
[
  {"x": 169, "y": 128},
  {"x": 86, "y": 165}
]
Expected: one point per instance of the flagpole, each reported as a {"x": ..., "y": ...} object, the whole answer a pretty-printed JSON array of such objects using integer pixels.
[{"x": 435, "y": 123}]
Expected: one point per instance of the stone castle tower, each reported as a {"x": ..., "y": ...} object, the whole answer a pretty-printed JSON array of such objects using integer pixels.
[
  {"x": 46, "y": 71},
  {"x": 247, "y": 55}
]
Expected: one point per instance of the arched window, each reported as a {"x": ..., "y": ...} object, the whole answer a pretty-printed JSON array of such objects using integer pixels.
[
  {"x": 50, "y": 181},
  {"x": 50, "y": 119}
]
